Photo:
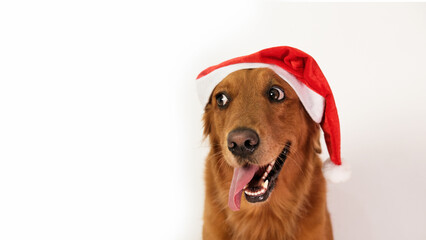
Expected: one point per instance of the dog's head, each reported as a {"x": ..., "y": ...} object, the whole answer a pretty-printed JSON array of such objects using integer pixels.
[{"x": 254, "y": 119}]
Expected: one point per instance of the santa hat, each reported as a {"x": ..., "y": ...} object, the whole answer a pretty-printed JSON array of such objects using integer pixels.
[{"x": 303, "y": 74}]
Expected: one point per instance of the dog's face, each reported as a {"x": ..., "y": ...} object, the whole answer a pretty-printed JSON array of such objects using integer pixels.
[{"x": 251, "y": 117}]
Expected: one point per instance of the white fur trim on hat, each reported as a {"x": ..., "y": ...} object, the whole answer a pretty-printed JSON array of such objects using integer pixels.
[{"x": 336, "y": 173}]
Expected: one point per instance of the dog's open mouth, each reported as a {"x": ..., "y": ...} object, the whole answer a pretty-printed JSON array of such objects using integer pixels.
[{"x": 257, "y": 182}]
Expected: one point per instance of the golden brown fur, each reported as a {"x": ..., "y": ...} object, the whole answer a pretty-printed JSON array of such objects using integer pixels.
[{"x": 296, "y": 208}]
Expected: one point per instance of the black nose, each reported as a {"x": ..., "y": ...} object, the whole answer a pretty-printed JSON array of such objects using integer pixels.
[{"x": 242, "y": 141}]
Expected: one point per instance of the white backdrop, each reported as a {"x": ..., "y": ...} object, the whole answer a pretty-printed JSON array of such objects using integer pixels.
[{"x": 100, "y": 131}]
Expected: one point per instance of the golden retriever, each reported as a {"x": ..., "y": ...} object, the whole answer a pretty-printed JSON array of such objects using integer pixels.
[{"x": 256, "y": 123}]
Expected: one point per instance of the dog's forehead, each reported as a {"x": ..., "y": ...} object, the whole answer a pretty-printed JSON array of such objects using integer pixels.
[{"x": 255, "y": 78}]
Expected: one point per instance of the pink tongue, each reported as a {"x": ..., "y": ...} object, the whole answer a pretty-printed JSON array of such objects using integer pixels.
[{"x": 241, "y": 177}]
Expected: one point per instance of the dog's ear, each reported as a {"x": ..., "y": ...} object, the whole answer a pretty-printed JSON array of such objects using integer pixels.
[
  {"x": 314, "y": 133},
  {"x": 316, "y": 139},
  {"x": 207, "y": 119}
]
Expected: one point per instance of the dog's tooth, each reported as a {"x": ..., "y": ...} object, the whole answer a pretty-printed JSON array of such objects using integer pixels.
[
  {"x": 265, "y": 184},
  {"x": 269, "y": 168},
  {"x": 257, "y": 193},
  {"x": 264, "y": 175}
]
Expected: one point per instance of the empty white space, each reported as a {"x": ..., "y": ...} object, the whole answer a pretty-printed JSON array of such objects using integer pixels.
[{"x": 100, "y": 123}]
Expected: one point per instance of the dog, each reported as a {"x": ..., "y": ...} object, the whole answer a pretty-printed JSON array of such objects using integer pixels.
[{"x": 259, "y": 129}]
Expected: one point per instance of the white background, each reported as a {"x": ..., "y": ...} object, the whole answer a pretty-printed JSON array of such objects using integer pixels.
[{"x": 100, "y": 131}]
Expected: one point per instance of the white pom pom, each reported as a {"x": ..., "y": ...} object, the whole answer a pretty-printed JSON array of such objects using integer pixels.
[{"x": 336, "y": 173}]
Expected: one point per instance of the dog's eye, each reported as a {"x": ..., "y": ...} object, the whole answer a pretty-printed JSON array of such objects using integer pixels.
[
  {"x": 222, "y": 100},
  {"x": 276, "y": 94}
]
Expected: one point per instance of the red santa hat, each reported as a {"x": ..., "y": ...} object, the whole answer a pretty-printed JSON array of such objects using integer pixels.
[{"x": 303, "y": 74}]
